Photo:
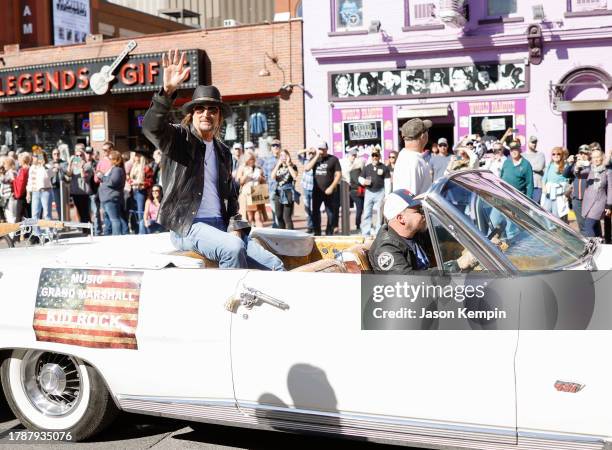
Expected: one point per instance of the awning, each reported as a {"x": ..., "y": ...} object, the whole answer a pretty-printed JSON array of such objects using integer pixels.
[
  {"x": 588, "y": 105},
  {"x": 408, "y": 112}
]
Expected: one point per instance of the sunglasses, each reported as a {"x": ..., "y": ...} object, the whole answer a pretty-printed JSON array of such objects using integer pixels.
[
  {"x": 202, "y": 109},
  {"x": 392, "y": 157},
  {"x": 557, "y": 154},
  {"x": 275, "y": 145}
]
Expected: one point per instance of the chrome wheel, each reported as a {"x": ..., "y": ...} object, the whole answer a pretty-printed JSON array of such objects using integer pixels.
[{"x": 51, "y": 382}]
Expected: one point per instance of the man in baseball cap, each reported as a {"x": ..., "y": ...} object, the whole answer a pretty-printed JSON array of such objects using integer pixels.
[
  {"x": 411, "y": 170},
  {"x": 398, "y": 247},
  {"x": 403, "y": 244}
]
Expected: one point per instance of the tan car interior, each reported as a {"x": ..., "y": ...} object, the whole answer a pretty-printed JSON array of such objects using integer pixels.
[{"x": 328, "y": 254}]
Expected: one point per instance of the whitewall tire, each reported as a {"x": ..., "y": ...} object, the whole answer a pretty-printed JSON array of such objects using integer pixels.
[{"x": 55, "y": 392}]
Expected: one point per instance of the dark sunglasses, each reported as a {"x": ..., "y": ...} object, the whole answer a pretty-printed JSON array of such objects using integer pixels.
[
  {"x": 275, "y": 145},
  {"x": 211, "y": 109}
]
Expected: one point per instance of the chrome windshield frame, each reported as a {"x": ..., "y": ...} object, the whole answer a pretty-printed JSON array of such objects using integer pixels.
[{"x": 438, "y": 203}]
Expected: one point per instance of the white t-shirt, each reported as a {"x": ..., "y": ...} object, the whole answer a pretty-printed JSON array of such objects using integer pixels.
[
  {"x": 210, "y": 206},
  {"x": 411, "y": 172}
]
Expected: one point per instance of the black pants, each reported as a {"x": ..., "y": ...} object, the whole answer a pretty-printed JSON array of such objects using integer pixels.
[
  {"x": 81, "y": 202},
  {"x": 283, "y": 213},
  {"x": 332, "y": 206},
  {"x": 358, "y": 200}
]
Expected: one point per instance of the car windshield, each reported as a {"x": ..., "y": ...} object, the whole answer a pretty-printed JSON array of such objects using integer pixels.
[{"x": 530, "y": 238}]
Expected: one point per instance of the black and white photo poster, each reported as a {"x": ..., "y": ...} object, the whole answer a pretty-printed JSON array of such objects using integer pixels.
[{"x": 71, "y": 21}]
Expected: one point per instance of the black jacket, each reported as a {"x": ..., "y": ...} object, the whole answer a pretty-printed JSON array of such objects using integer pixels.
[
  {"x": 390, "y": 254},
  {"x": 183, "y": 169}
]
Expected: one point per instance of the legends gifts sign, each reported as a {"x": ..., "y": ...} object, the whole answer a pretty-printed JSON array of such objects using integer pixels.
[{"x": 137, "y": 73}]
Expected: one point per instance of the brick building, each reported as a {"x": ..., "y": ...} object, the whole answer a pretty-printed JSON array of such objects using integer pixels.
[{"x": 45, "y": 93}]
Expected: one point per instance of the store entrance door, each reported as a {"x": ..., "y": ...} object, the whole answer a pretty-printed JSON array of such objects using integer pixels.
[
  {"x": 584, "y": 127},
  {"x": 437, "y": 130}
]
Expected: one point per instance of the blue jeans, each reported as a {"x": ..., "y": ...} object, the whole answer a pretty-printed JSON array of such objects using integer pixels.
[
  {"x": 536, "y": 195},
  {"x": 591, "y": 227},
  {"x": 371, "y": 200},
  {"x": 140, "y": 197},
  {"x": 308, "y": 207},
  {"x": 208, "y": 237},
  {"x": 577, "y": 207},
  {"x": 114, "y": 212},
  {"x": 41, "y": 202}
]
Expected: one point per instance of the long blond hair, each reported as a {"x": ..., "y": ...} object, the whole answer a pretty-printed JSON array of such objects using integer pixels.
[{"x": 188, "y": 119}]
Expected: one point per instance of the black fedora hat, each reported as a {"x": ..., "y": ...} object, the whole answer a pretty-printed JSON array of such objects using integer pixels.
[{"x": 207, "y": 95}]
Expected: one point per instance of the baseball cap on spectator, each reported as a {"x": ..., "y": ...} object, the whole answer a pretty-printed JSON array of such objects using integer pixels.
[
  {"x": 442, "y": 141},
  {"x": 515, "y": 146},
  {"x": 584, "y": 149},
  {"x": 322, "y": 145},
  {"x": 399, "y": 200},
  {"x": 248, "y": 145},
  {"x": 415, "y": 127},
  {"x": 533, "y": 139},
  {"x": 88, "y": 149},
  {"x": 353, "y": 152},
  {"x": 237, "y": 145}
]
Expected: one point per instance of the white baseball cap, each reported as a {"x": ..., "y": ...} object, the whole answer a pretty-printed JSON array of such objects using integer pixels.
[{"x": 399, "y": 200}]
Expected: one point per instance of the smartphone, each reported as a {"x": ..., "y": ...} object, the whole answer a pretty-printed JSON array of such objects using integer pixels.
[{"x": 515, "y": 130}]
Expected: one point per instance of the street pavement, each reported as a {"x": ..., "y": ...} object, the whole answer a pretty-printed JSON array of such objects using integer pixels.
[{"x": 135, "y": 432}]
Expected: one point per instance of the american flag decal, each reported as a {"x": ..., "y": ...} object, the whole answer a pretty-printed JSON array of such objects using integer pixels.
[{"x": 89, "y": 308}]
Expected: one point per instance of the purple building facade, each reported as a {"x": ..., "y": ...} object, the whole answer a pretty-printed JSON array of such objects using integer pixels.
[{"x": 539, "y": 68}]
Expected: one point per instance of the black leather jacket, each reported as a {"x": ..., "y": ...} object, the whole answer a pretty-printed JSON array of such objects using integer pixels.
[
  {"x": 391, "y": 255},
  {"x": 183, "y": 168}
]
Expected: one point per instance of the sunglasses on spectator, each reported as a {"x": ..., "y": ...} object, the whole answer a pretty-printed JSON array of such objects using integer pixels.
[
  {"x": 442, "y": 145},
  {"x": 557, "y": 154},
  {"x": 275, "y": 145},
  {"x": 392, "y": 157},
  {"x": 202, "y": 109}
]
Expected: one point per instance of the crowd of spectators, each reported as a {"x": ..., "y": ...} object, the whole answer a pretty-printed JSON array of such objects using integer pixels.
[
  {"x": 121, "y": 193},
  {"x": 117, "y": 193}
]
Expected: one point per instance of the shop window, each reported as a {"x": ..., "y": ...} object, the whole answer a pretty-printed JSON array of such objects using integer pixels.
[
  {"x": 45, "y": 131},
  {"x": 588, "y": 5},
  {"x": 500, "y": 7},
  {"x": 6, "y": 135},
  {"x": 348, "y": 15},
  {"x": 253, "y": 120},
  {"x": 421, "y": 12}
]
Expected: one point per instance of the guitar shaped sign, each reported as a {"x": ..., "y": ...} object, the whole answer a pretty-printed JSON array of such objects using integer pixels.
[{"x": 100, "y": 81}]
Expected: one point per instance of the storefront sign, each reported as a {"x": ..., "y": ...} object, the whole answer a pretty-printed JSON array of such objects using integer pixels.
[
  {"x": 29, "y": 30},
  {"x": 362, "y": 128},
  {"x": 448, "y": 81},
  {"x": 362, "y": 131},
  {"x": 71, "y": 21},
  {"x": 492, "y": 118},
  {"x": 71, "y": 79}
]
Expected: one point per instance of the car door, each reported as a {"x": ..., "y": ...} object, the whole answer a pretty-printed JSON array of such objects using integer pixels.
[{"x": 311, "y": 362}]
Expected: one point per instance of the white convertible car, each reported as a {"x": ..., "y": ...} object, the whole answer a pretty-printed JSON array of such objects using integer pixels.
[{"x": 92, "y": 326}]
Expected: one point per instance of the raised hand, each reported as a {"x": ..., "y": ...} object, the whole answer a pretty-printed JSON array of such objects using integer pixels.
[{"x": 174, "y": 71}]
